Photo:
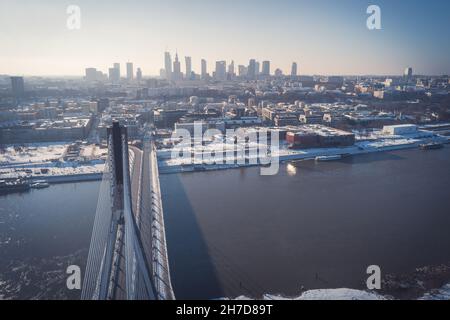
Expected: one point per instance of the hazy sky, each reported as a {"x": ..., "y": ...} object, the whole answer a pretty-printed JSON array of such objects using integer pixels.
[{"x": 324, "y": 37}]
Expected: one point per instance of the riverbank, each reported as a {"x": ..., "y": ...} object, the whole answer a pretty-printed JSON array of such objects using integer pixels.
[
  {"x": 425, "y": 283},
  {"x": 284, "y": 154},
  {"x": 69, "y": 178},
  {"x": 56, "y": 162}
]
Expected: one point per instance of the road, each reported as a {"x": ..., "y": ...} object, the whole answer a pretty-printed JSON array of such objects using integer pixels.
[{"x": 146, "y": 204}]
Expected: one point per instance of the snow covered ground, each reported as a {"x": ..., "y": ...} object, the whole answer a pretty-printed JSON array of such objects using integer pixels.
[
  {"x": 331, "y": 294},
  {"x": 351, "y": 294},
  {"x": 438, "y": 294},
  {"x": 324, "y": 294},
  {"x": 374, "y": 142},
  {"x": 33, "y": 153},
  {"x": 46, "y": 160}
]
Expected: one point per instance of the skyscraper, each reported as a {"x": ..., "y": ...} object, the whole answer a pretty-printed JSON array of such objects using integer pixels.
[
  {"x": 117, "y": 66},
  {"x": 129, "y": 71},
  {"x": 100, "y": 76},
  {"x": 17, "y": 87},
  {"x": 139, "y": 74},
  {"x": 231, "y": 69},
  {"x": 204, "y": 69},
  {"x": 266, "y": 68},
  {"x": 257, "y": 68},
  {"x": 242, "y": 70},
  {"x": 168, "y": 65},
  {"x": 251, "y": 69},
  {"x": 408, "y": 73},
  {"x": 111, "y": 74},
  {"x": 294, "y": 69},
  {"x": 114, "y": 74},
  {"x": 91, "y": 74},
  {"x": 221, "y": 70},
  {"x": 176, "y": 75},
  {"x": 188, "y": 61}
]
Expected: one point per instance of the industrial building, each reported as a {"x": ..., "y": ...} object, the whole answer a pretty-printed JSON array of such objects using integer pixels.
[
  {"x": 311, "y": 118},
  {"x": 66, "y": 129},
  {"x": 318, "y": 136},
  {"x": 400, "y": 129}
]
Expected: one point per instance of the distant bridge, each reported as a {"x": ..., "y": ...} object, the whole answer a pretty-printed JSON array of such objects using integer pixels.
[{"x": 128, "y": 254}]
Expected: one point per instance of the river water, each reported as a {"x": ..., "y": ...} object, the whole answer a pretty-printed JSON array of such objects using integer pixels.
[
  {"x": 317, "y": 225},
  {"x": 234, "y": 232},
  {"x": 42, "y": 232}
]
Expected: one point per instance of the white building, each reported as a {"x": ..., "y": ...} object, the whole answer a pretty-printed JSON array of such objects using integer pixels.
[{"x": 400, "y": 129}]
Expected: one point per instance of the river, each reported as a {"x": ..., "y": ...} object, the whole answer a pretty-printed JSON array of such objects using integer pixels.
[{"x": 234, "y": 232}]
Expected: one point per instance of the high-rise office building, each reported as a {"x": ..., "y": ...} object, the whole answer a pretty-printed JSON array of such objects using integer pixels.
[
  {"x": 117, "y": 66},
  {"x": 408, "y": 73},
  {"x": 139, "y": 74},
  {"x": 110, "y": 74},
  {"x": 231, "y": 69},
  {"x": 130, "y": 71},
  {"x": 176, "y": 75},
  {"x": 204, "y": 69},
  {"x": 242, "y": 70},
  {"x": 188, "y": 62},
  {"x": 114, "y": 74},
  {"x": 17, "y": 87},
  {"x": 265, "y": 68},
  {"x": 168, "y": 65},
  {"x": 294, "y": 69},
  {"x": 91, "y": 74},
  {"x": 251, "y": 69},
  {"x": 100, "y": 76},
  {"x": 257, "y": 68},
  {"x": 221, "y": 70}
]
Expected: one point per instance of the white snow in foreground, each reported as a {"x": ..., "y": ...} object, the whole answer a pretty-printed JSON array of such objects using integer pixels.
[
  {"x": 351, "y": 294},
  {"x": 336, "y": 294},
  {"x": 438, "y": 294},
  {"x": 325, "y": 294}
]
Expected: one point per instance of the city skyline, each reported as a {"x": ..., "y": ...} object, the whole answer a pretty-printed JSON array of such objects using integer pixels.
[
  {"x": 322, "y": 37},
  {"x": 207, "y": 70}
]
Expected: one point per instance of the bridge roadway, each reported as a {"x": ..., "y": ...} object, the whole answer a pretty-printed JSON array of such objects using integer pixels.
[
  {"x": 128, "y": 253},
  {"x": 145, "y": 202},
  {"x": 118, "y": 290},
  {"x": 150, "y": 221}
]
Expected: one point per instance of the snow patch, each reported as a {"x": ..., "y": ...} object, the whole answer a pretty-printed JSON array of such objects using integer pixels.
[{"x": 325, "y": 294}]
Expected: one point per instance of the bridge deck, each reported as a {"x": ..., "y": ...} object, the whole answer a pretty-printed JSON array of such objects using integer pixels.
[{"x": 128, "y": 253}]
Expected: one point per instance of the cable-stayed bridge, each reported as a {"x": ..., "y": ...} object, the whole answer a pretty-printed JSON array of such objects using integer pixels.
[{"x": 128, "y": 254}]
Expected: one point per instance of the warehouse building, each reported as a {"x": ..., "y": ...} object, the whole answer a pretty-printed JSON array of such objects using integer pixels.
[
  {"x": 400, "y": 129},
  {"x": 318, "y": 136}
]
